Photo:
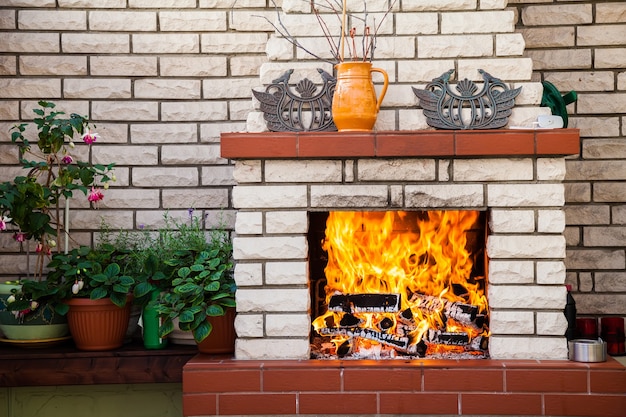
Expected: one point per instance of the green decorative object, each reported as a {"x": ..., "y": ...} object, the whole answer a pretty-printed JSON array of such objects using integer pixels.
[{"x": 558, "y": 103}]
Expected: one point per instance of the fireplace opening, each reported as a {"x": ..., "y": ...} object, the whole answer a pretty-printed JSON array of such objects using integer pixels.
[{"x": 398, "y": 284}]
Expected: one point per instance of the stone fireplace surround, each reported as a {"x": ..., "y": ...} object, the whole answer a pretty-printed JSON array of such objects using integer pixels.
[{"x": 514, "y": 174}]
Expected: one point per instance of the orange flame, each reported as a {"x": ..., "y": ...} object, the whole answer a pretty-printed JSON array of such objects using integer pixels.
[{"x": 421, "y": 254}]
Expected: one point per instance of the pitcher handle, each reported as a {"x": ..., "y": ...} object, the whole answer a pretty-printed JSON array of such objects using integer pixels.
[{"x": 385, "y": 85}]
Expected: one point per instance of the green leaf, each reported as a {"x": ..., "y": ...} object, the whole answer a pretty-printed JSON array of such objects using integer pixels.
[
  {"x": 166, "y": 328},
  {"x": 215, "y": 310},
  {"x": 202, "y": 331},
  {"x": 98, "y": 293},
  {"x": 212, "y": 286},
  {"x": 186, "y": 316},
  {"x": 118, "y": 299}
]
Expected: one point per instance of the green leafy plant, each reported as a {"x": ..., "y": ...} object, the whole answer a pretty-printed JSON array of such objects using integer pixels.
[
  {"x": 203, "y": 286},
  {"x": 91, "y": 273},
  {"x": 30, "y": 204}
]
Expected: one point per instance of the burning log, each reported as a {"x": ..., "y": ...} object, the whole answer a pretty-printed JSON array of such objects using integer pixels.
[
  {"x": 446, "y": 338},
  {"x": 365, "y": 303},
  {"x": 400, "y": 343},
  {"x": 463, "y": 313}
]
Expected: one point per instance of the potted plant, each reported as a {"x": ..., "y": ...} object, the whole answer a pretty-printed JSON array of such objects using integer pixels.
[
  {"x": 35, "y": 206},
  {"x": 96, "y": 295},
  {"x": 202, "y": 295}
]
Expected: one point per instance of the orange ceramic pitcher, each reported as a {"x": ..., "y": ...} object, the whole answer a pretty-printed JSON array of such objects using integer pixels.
[{"x": 355, "y": 106}]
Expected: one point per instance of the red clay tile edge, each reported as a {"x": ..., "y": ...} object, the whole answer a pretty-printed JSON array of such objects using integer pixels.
[{"x": 408, "y": 144}]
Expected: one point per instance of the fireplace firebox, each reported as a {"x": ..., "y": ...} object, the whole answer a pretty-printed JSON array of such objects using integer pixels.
[{"x": 398, "y": 284}]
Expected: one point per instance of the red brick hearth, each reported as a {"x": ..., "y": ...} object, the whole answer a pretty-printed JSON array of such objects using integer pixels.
[{"x": 420, "y": 387}]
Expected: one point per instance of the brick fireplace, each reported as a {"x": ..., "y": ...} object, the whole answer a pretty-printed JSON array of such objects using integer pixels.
[{"x": 515, "y": 176}]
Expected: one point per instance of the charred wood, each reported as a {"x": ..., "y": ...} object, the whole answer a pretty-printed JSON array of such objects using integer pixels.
[
  {"x": 398, "y": 342},
  {"x": 365, "y": 303}
]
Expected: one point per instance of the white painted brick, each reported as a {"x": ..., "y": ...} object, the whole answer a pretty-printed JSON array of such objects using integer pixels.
[
  {"x": 423, "y": 70},
  {"x": 102, "y": 4},
  {"x": 290, "y": 247},
  {"x": 249, "y": 325},
  {"x": 551, "y": 169},
  {"x": 91, "y": 43},
  {"x": 542, "y": 348},
  {"x": 163, "y": 133},
  {"x": 292, "y": 196},
  {"x": 409, "y": 169},
  {"x": 273, "y": 70},
  {"x": 126, "y": 155},
  {"x": 165, "y": 177},
  {"x": 412, "y": 120},
  {"x": 30, "y": 42},
  {"x": 196, "y": 197},
  {"x": 508, "y": 69},
  {"x": 30, "y": 88},
  {"x": 511, "y": 322},
  {"x": 519, "y": 195},
  {"x": 233, "y": 43},
  {"x": 192, "y": 21},
  {"x": 287, "y": 325},
  {"x": 249, "y": 223},
  {"x": 444, "y": 195},
  {"x": 394, "y": 47},
  {"x": 526, "y": 297},
  {"x": 167, "y": 88},
  {"x": 242, "y": 66},
  {"x": 258, "y": 21},
  {"x": 279, "y": 49},
  {"x": 478, "y": 22},
  {"x": 286, "y": 273},
  {"x": 294, "y": 6},
  {"x": 186, "y": 66},
  {"x": 262, "y": 349},
  {"x": 231, "y": 4},
  {"x": 511, "y": 272},
  {"x": 230, "y": 88},
  {"x": 126, "y": 199},
  {"x": 494, "y": 169},
  {"x": 348, "y": 172},
  {"x": 550, "y": 221},
  {"x": 349, "y": 196},
  {"x": 550, "y": 272},
  {"x": 302, "y": 171},
  {"x": 122, "y": 21},
  {"x": 217, "y": 175},
  {"x": 123, "y": 65},
  {"x": 530, "y": 94},
  {"x": 546, "y": 246},
  {"x": 248, "y": 172},
  {"x": 61, "y": 20},
  {"x": 452, "y": 46},
  {"x": 177, "y": 4},
  {"x": 191, "y": 154},
  {"x": 186, "y": 111},
  {"x": 124, "y": 110},
  {"x": 512, "y": 221},
  {"x": 52, "y": 65},
  {"x": 248, "y": 274},
  {"x": 286, "y": 222},
  {"x": 272, "y": 300},
  {"x": 493, "y": 4},
  {"x": 7, "y": 19},
  {"x": 417, "y": 23},
  {"x": 550, "y": 323},
  {"x": 160, "y": 43},
  {"x": 443, "y": 5},
  {"x": 255, "y": 122},
  {"x": 239, "y": 109},
  {"x": 210, "y": 132},
  {"x": 96, "y": 88},
  {"x": 509, "y": 44}
]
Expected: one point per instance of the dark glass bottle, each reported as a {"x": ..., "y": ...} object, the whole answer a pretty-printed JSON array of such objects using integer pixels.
[{"x": 570, "y": 315}]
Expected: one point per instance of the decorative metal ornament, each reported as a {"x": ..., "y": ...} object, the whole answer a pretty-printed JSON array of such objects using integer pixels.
[
  {"x": 307, "y": 109},
  {"x": 445, "y": 108}
]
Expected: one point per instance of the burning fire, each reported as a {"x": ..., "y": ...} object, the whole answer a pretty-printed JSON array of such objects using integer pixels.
[{"x": 402, "y": 281}]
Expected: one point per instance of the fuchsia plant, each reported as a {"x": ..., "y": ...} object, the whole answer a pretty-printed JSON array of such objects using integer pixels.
[{"x": 31, "y": 204}]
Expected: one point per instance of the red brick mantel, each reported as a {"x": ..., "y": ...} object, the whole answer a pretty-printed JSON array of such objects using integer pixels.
[{"x": 426, "y": 143}]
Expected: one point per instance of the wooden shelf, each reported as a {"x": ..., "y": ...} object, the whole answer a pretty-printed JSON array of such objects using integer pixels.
[{"x": 65, "y": 365}]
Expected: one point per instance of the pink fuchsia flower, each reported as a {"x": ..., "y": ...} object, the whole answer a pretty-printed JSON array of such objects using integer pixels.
[
  {"x": 89, "y": 137},
  {"x": 67, "y": 159},
  {"x": 3, "y": 222},
  {"x": 95, "y": 195},
  {"x": 19, "y": 237}
]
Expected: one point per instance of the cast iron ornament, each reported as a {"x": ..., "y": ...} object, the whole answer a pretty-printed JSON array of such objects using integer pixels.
[
  {"x": 305, "y": 110},
  {"x": 445, "y": 108}
]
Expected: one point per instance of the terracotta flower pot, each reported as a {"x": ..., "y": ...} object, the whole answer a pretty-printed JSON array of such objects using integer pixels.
[
  {"x": 355, "y": 106},
  {"x": 222, "y": 337},
  {"x": 97, "y": 324}
]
